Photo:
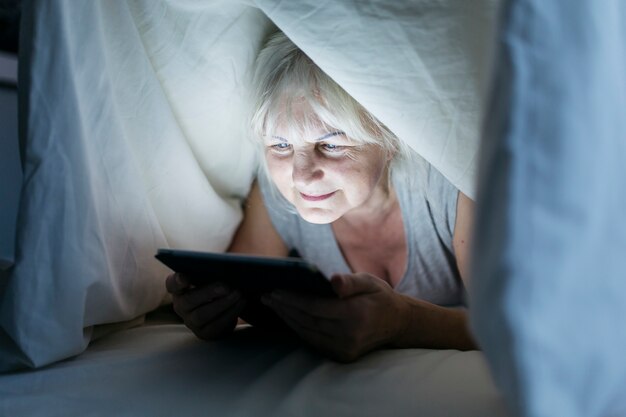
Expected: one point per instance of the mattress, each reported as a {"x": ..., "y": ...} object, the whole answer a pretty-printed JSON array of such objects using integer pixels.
[{"x": 160, "y": 369}]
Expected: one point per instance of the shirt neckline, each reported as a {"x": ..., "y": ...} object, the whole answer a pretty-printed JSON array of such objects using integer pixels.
[{"x": 341, "y": 260}]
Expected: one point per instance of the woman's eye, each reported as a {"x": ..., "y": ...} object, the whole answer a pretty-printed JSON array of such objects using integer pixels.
[
  {"x": 329, "y": 147},
  {"x": 281, "y": 147}
]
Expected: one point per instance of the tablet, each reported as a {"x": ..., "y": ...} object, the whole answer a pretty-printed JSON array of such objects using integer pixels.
[{"x": 250, "y": 274}]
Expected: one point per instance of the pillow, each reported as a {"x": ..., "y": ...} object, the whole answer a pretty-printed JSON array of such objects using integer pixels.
[
  {"x": 549, "y": 287},
  {"x": 134, "y": 141}
]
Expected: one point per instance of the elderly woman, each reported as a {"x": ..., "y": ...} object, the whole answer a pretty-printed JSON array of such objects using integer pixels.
[{"x": 340, "y": 189}]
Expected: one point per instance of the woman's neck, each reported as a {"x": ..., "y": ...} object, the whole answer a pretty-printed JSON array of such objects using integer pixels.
[
  {"x": 374, "y": 240},
  {"x": 376, "y": 210}
]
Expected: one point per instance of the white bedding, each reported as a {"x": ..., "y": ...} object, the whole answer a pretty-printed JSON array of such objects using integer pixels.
[
  {"x": 136, "y": 136},
  {"x": 162, "y": 369},
  {"x": 135, "y": 140}
]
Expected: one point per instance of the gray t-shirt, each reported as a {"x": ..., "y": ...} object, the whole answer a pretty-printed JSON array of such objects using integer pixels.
[{"x": 428, "y": 204}]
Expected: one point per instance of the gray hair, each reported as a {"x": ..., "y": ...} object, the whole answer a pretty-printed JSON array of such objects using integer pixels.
[{"x": 285, "y": 75}]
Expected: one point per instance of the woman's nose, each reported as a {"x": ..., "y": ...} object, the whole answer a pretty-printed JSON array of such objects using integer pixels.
[{"x": 306, "y": 169}]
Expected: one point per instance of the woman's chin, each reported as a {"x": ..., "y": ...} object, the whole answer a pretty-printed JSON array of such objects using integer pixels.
[{"x": 318, "y": 215}]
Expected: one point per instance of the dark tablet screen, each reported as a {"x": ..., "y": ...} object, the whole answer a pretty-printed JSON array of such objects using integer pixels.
[{"x": 250, "y": 274}]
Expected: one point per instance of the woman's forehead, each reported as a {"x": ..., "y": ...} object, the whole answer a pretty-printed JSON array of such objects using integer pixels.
[
  {"x": 301, "y": 123},
  {"x": 294, "y": 119}
]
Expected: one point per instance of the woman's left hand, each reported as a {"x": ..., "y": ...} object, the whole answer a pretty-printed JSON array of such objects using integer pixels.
[{"x": 367, "y": 315}]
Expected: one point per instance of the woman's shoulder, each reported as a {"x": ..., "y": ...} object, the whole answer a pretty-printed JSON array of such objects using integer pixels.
[
  {"x": 417, "y": 174},
  {"x": 419, "y": 181}
]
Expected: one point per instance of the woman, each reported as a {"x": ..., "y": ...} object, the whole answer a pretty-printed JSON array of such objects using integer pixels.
[{"x": 339, "y": 187}]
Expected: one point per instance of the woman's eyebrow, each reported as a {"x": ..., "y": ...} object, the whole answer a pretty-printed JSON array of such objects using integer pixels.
[{"x": 326, "y": 136}]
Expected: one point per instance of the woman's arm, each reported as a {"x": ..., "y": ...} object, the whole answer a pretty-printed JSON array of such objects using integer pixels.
[
  {"x": 256, "y": 234},
  {"x": 427, "y": 325},
  {"x": 462, "y": 239},
  {"x": 369, "y": 314},
  {"x": 432, "y": 326}
]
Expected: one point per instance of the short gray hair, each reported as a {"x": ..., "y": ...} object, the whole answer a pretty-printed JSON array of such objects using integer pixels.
[{"x": 284, "y": 74}]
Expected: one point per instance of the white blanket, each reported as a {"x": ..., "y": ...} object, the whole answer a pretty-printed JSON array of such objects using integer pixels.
[
  {"x": 137, "y": 135},
  {"x": 419, "y": 66}
]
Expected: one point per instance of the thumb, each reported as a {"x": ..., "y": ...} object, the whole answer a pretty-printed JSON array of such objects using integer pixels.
[{"x": 349, "y": 285}]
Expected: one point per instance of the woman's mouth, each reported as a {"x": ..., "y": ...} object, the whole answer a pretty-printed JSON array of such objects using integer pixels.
[{"x": 321, "y": 197}]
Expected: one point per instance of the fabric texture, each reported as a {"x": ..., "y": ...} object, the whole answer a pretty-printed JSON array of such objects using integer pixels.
[
  {"x": 162, "y": 369},
  {"x": 548, "y": 293},
  {"x": 419, "y": 66},
  {"x": 428, "y": 205},
  {"x": 133, "y": 124},
  {"x": 133, "y": 140}
]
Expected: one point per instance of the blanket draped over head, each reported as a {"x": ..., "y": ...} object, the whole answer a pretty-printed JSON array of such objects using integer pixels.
[{"x": 135, "y": 135}]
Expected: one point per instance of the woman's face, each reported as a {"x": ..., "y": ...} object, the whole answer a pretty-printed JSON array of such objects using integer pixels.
[{"x": 325, "y": 175}]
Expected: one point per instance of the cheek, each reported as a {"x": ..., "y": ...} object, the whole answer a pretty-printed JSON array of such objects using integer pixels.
[
  {"x": 280, "y": 172},
  {"x": 376, "y": 166},
  {"x": 364, "y": 176},
  {"x": 377, "y": 171}
]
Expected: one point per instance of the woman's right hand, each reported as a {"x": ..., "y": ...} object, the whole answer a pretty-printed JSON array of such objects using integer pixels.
[{"x": 210, "y": 311}]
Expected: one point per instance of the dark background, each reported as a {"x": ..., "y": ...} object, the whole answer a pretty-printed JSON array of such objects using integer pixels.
[{"x": 9, "y": 25}]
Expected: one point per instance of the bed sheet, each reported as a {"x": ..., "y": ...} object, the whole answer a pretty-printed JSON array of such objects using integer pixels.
[{"x": 162, "y": 369}]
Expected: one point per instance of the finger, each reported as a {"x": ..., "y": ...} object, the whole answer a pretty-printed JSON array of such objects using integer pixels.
[
  {"x": 208, "y": 312},
  {"x": 324, "y": 343},
  {"x": 322, "y": 307},
  {"x": 306, "y": 331},
  {"x": 176, "y": 284},
  {"x": 348, "y": 285},
  {"x": 207, "y": 293},
  {"x": 192, "y": 299},
  {"x": 304, "y": 320},
  {"x": 223, "y": 324}
]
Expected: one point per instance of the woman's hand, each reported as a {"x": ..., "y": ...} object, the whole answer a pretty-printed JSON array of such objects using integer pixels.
[
  {"x": 367, "y": 315},
  {"x": 210, "y": 311}
]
